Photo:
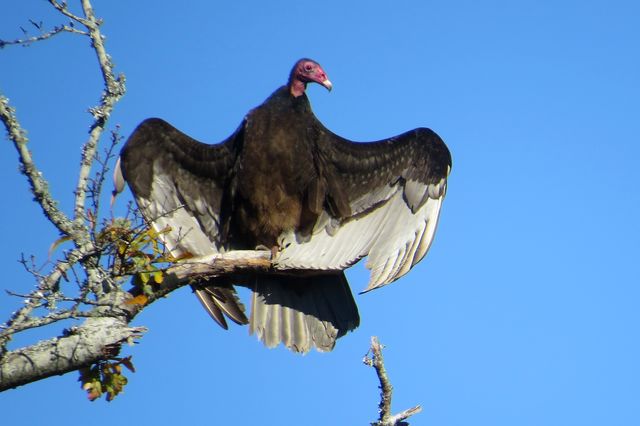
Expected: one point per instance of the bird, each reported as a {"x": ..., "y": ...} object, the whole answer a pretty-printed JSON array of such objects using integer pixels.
[{"x": 284, "y": 182}]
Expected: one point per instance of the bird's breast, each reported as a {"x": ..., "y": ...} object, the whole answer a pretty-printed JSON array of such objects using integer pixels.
[{"x": 271, "y": 183}]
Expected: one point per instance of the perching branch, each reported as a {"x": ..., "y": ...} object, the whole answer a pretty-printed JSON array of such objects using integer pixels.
[
  {"x": 223, "y": 264},
  {"x": 386, "y": 390}
]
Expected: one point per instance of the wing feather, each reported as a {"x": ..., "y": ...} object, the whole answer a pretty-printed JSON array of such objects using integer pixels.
[
  {"x": 179, "y": 184},
  {"x": 174, "y": 198},
  {"x": 394, "y": 190}
]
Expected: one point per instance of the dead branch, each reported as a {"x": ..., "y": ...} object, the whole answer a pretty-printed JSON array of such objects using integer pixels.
[
  {"x": 26, "y": 41},
  {"x": 82, "y": 346},
  {"x": 96, "y": 283},
  {"x": 386, "y": 390},
  {"x": 114, "y": 89},
  {"x": 39, "y": 185}
]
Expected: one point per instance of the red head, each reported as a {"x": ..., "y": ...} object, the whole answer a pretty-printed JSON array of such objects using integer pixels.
[{"x": 307, "y": 71}]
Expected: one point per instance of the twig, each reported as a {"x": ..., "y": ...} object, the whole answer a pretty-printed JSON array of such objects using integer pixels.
[
  {"x": 386, "y": 390},
  {"x": 98, "y": 180},
  {"x": 44, "y": 36},
  {"x": 62, "y": 8},
  {"x": 21, "y": 319},
  {"x": 36, "y": 322},
  {"x": 114, "y": 90}
]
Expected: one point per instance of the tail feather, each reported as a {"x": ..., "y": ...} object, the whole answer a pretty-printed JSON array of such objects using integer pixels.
[
  {"x": 221, "y": 299},
  {"x": 302, "y": 312}
]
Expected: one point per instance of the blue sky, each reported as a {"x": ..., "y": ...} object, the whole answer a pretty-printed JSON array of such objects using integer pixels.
[{"x": 524, "y": 311}]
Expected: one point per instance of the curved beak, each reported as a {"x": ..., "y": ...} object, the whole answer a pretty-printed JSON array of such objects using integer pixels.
[{"x": 327, "y": 84}]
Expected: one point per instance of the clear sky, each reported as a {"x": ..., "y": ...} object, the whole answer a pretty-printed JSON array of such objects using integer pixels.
[{"x": 525, "y": 311}]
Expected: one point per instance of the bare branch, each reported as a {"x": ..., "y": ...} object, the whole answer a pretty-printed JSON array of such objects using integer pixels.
[
  {"x": 57, "y": 316},
  {"x": 95, "y": 340},
  {"x": 19, "y": 320},
  {"x": 39, "y": 186},
  {"x": 114, "y": 90},
  {"x": 386, "y": 390},
  {"x": 398, "y": 419},
  {"x": 97, "y": 182},
  {"x": 114, "y": 311},
  {"x": 43, "y": 36},
  {"x": 107, "y": 303},
  {"x": 62, "y": 8}
]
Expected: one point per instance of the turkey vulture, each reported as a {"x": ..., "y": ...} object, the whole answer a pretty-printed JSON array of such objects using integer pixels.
[{"x": 284, "y": 182}]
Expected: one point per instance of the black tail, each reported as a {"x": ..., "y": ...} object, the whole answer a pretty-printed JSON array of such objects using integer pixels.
[{"x": 302, "y": 312}]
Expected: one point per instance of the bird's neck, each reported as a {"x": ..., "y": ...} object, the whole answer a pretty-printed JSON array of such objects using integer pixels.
[{"x": 297, "y": 88}]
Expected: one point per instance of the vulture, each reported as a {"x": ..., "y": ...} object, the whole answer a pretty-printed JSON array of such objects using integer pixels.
[{"x": 284, "y": 182}]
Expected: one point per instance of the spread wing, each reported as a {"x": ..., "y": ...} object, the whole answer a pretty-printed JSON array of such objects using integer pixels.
[
  {"x": 179, "y": 185},
  {"x": 379, "y": 199}
]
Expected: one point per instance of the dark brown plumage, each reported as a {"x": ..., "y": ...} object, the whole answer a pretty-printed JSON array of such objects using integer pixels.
[{"x": 285, "y": 182}]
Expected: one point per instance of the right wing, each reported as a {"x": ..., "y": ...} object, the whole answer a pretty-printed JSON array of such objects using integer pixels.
[{"x": 179, "y": 185}]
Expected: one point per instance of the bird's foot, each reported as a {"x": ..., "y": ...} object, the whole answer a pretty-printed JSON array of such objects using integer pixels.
[{"x": 274, "y": 250}]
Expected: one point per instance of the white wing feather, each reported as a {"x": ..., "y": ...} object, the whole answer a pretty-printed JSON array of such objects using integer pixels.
[
  {"x": 180, "y": 225},
  {"x": 392, "y": 236}
]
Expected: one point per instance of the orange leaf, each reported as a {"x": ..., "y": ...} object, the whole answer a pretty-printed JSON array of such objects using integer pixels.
[{"x": 140, "y": 299}]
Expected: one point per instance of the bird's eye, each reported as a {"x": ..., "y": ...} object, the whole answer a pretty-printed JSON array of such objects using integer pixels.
[{"x": 308, "y": 67}]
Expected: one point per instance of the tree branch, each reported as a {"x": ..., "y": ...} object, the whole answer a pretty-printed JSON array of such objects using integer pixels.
[
  {"x": 107, "y": 326},
  {"x": 114, "y": 89},
  {"x": 386, "y": 390},
  {"x": 21, "y": 319},
  {"x": 45, "y": 35},
  {"x": 97, "y": 339},
  {"x": 101, "y": 300},
  {"x": 62, "y": 8},
  {"x": 39, "y": 186}
]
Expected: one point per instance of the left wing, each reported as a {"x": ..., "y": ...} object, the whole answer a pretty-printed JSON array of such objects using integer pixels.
[{"x": 380, "y": 199}]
